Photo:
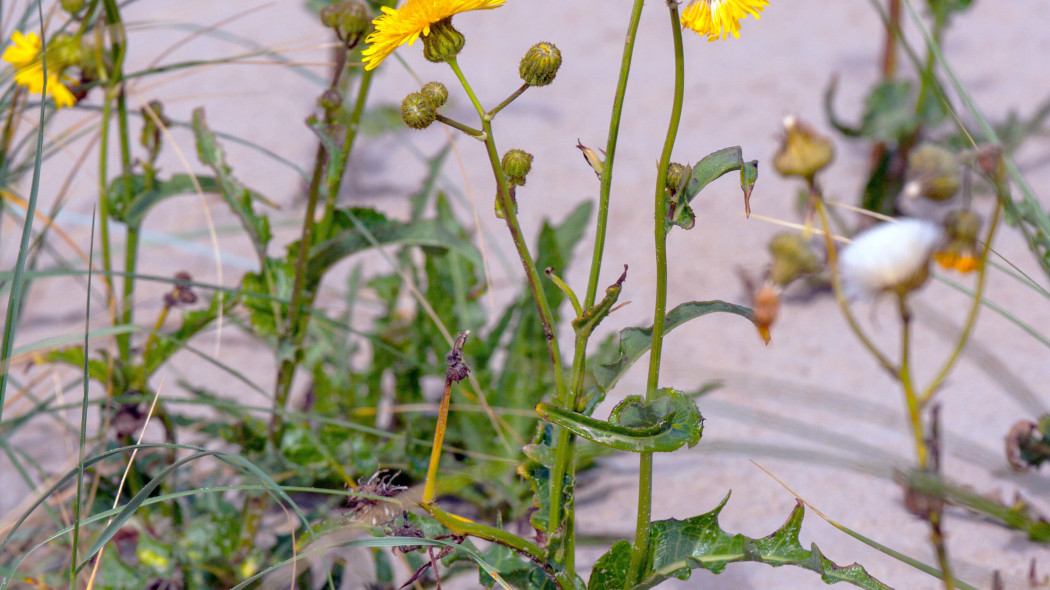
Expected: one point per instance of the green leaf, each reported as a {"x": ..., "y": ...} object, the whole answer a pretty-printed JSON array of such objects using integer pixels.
[
  {"x": 676, "y": 547},
  {"x": 383, "y": 232},
  {"x": 706, "y": 171},
  {"x": 889, "y": 112},
  {"x": 239, "y": 198},
  {"x": 132, "y": 209},
  {"x": 663, "y": 425},
  {"x": 634, "y": 342}
]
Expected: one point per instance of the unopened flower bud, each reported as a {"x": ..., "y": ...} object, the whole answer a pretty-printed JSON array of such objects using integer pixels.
[
  {"x": 676, "y": 175},
  {"x": 436, "y": 92},
  {"x": 330, "y": 100},
  {"x": 417, "y": 111},
  {"x": 960, "y": 251},
  {"x": 803, "y": 151},
  {"x": 349, "y": 19},
  {"x": 540, "y": 64},
  {"x": 792, "y": 258},
  {"x": 991, "y": 164},
  {"x": 444, "y": 42},
  {"x": 933, "y": 173},
  {"x": 72, "y": 6},
  {"x": 516, "y": 164},
  {"x": 593, "y": 159}
]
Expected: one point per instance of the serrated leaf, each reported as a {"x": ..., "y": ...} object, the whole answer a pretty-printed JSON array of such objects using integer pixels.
[
  {"x": 634, "y": 342},
  {"x": 662, "y": 425},
  {"x": 676, "y": 547},
  {"x": 706, "y": 171},
  {"x": 236, "y": 195}
]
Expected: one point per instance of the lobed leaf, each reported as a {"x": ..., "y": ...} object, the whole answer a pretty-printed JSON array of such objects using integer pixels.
[{"x": 676, "y": 547}]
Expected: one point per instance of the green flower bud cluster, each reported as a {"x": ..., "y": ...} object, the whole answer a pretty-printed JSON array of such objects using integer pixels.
[
  {"x": 443, "y": 43},
  {"x": 419, "y": 109},
  {"x": 516, "y": 165},
  {"x": 349, "y": 19}
]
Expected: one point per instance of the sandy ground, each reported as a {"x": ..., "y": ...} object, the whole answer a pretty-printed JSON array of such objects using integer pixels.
[{"x": 812, "y": 407}]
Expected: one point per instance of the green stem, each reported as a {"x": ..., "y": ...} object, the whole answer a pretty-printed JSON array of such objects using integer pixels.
[
  {"x": 640, "y": 549},
  {"x": 971, "y": 318},
  {"x": 836, "y": 286},
  {"x": 610, "y": 155},
  {"x": 475, "y": 133},
  {"x": 508, "y": 100},
  {"x": 511, "y": 218},
  {"x": 905, "y": 377},
  {"x": 336, "y": 180}
]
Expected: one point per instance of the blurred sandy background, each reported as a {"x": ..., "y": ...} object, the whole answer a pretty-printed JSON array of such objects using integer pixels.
[{"x": 812, "y": 395}]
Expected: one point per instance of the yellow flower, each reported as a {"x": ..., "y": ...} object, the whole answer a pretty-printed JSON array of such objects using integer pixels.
[
  {"x": 394, "y": 28},
  {"x": 717, "y": 18},
  {"x": 27, "y": 58}
]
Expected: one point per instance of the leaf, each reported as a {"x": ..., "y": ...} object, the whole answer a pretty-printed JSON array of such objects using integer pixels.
[
  {"x": 676, "y": 547},
  {"x": 706, "y": 171},
  {"x": 383, "y": 232},
  {"x": 132, "y": 209},
  {"x": 239, "y": 198},
  {"x": 634, "y": 342},
  {"x": 889, "y": 112},
  {"x": 662, "y": 425}
]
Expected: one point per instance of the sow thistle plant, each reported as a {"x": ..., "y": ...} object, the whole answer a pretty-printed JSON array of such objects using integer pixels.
[{"x": 472, "y": 485}]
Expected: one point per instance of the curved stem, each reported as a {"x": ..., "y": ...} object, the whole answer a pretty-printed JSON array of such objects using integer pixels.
[
  {"x": 836, "y": 286},
  {"x": 971, "y": 318},
  {"x": 610, "y": 155},
  {"x": 639, "y": 550},
  {"x": 905, "y": 377}
]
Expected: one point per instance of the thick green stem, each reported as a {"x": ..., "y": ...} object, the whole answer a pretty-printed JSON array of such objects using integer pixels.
[
  {"x": 640, "y": 549},
  {"x": 610, "y": 155}
]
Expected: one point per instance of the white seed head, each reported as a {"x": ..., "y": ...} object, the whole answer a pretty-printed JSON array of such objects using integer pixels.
[{"x": 887, "y": 256}]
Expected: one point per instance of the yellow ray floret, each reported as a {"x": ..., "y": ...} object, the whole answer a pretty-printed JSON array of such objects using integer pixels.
[
  {"x": 395, "y": 28},
  {"x": 27, "y": 58},
  {"x": 718, "y": 18}
]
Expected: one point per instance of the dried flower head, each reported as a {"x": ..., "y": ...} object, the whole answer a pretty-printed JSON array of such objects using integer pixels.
[
  {"x": 892, "y": 256},
  {"x": 719, "y": 18},
  {"x": 415, "y": 18}
]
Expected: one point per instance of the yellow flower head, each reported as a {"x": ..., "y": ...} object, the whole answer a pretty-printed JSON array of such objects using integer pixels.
[
  {"x": 717, "y": 18},
  {"x": 394, "y": 28},
  {"x": 28, "y": 60}
]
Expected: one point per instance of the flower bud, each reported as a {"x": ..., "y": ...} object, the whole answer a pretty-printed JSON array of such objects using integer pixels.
[
  {"x": 676, "y": 176},
  {"x": 792, "y": 258},
  {"x": 516, "y": 164},
  {"x": 991, "y": 164},
  {"x": 593, "y": 159},
  {"x": 417, "y": 111},
  {"x": 330, "y": 100},
  {"x": 960, "y": 252},
  {"x": 803, "y": 151},
  {"x": 436, "y": 92},
  {"x": 540, "y": 64},
  {"x": 349, "y": 19},
  {"x": 933, "y": 173},
  {"x": 72, "y": 6},
  {"x": 444, "y": 42}
]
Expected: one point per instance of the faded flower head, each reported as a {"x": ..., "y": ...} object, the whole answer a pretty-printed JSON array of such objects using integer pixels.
[
  {"x": 893, "y": 256},
  {"x": 933, "y": 173},
  {"x": 415, "y": 18},
  {"x": 719, "y": 18},
  {"x": 960, "y": 251},
  {"x": 28, "y": 59},
  {"x": 803, "y": 150}
]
